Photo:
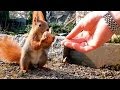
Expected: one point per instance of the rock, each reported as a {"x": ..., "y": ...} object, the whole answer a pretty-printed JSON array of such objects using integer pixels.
[{"x": 60, "y": 17}]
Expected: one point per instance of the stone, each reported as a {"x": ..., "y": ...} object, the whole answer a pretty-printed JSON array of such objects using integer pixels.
[{"x": 108, "y": 54}]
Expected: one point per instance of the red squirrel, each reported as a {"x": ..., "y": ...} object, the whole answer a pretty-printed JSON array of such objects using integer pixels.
[{"x": 33, "y": 51}]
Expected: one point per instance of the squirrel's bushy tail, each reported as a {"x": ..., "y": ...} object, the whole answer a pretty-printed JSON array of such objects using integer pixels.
[{"x": 10, "y": 51}]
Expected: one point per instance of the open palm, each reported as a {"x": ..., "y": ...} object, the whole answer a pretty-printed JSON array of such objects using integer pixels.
[{"x": 90, "y": 33}]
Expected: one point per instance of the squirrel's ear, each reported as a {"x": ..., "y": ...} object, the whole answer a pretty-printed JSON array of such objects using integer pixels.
[
  {"x": 40, "y": 15},
  {"x": 34, "y": 18}
]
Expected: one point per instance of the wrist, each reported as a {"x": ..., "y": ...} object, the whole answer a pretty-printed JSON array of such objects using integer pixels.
[
  {"x": 112, "y": 20},
  {"x": 116, "y": 16},
  {"x": 102, "y": 13}
]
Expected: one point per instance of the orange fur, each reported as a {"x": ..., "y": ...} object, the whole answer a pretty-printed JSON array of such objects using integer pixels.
[
  {"x": 38, "y": 15},
  {"x": 47, "y": 39},
  {"x": 36, "y": 34},
  {"x": 10, "y": 51}
]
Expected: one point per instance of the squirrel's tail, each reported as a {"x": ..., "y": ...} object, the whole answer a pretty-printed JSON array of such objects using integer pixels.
[{"x": 10, "y": 51}]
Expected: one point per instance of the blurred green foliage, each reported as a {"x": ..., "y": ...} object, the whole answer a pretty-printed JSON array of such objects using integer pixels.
[
  {"x": 114, "y": 39},
  {"x": 29, "y": 21},
  {"x": 4, "y": 15},
  {"x": 61, "y": 28}
]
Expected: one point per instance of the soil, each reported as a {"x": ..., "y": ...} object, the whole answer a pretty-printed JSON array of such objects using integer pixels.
[{"x": 55, "y": 68}]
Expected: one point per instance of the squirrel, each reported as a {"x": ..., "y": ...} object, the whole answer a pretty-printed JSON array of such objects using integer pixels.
[{"x": 33, "y": 50}]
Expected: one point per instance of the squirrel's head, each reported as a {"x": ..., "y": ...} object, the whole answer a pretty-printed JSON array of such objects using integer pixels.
[{"x": 40, "y": 25}]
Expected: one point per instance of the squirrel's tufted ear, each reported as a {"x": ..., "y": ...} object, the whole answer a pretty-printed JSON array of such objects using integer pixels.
[
  {"x": 40, "y": 15},
  {"x": 35, "y": 20},
  {"x": 36, "y": 16}
]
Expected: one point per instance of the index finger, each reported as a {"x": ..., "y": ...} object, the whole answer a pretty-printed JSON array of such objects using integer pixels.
[{"x": 87, "y": 23}]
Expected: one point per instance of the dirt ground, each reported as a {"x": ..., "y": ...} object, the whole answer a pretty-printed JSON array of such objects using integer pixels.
[{"x": 57, "y": 70}]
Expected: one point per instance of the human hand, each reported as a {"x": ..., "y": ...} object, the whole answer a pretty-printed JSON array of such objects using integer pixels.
[{"x": 90, "y": 33}]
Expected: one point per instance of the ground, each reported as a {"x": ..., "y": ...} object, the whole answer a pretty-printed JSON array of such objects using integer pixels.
[
  {"x": 58, "y": 70},
  {"x": 55, "y": 68}
]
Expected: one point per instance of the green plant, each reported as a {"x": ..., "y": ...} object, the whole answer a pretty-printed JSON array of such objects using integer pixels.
[
  {"x": 29, "y": 21},
  {"x": 4, "y": 18},
  {"x": 69, "y": 27},
  {"x": 61, "y": 28},
  {"x": 19, "y": 30},
  {"x": 114, "y": 39},
  {"x": 4, "y": 15}
]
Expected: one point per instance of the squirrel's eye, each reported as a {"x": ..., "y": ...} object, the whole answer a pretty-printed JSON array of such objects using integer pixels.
[{"x": 39, "y": 25}]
